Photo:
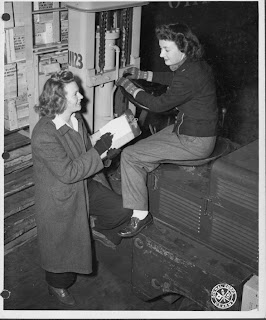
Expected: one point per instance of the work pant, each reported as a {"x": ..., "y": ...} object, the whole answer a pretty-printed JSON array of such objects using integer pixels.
[
  {"x": 143, "y": 157},
  {"x": 106, "y": 206}
]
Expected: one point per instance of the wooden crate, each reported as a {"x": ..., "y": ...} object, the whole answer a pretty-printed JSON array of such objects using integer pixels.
[
  {"x": 10, "y": 81},
  {"x": 18, "y": 159},
  {"x": 16, "y": 113},
  {"x": 19, "y": 215}
]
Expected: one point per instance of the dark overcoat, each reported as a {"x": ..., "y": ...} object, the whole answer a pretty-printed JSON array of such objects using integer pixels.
[{"x": 62, "y": 160}]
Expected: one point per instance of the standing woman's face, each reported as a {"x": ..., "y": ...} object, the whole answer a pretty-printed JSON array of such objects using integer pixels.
[{"x": 170, "y": 52}]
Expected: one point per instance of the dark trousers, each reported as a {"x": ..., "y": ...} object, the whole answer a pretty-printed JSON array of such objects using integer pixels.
[
  {"x": 110, "y": 216},
  {"x": 60, "y": 280},
  {"x": 107, "y": 207}
]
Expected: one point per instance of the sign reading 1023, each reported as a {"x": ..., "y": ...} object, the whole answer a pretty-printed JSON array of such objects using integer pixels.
[{"x": 75, "y": 60}]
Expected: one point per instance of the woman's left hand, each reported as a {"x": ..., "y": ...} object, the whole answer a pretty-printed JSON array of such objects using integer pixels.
[{"x": 127, "y": 85}]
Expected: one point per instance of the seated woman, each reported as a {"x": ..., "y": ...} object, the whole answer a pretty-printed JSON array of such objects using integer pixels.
[{"x": 191, "y": 90}]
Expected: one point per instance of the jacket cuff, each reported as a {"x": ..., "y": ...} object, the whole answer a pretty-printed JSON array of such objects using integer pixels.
[
  {"x": 150, "y": 76},
  {"x": 136, "y": 92}
]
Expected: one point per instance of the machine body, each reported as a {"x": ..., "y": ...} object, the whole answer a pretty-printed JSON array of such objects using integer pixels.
[{"x": 205, "y": 232}]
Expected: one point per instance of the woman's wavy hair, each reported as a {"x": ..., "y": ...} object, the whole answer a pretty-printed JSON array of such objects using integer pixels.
[
  {"x": 52, "y": 100},
  {"x": 184, "y": 38}
]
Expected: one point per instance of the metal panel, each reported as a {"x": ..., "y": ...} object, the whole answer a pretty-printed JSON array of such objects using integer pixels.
[
  {"x": 226, "y": 193},
  {"x": 164, "y": 261},
  {"x": 233, "y": 205},
  {"x": 183, "y": 211},
  {"x": 235, "y": 235},
  {"x": 178, "y": 196},
  {"x": 97, "y": 6},
  {"x": 234, "y": 181}
]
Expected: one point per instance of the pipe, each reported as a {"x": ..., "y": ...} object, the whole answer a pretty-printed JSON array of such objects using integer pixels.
[{"x": 117, "y": 53}]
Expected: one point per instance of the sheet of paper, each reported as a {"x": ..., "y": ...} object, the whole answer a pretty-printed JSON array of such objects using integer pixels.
[{"x": 121, "y": 130}]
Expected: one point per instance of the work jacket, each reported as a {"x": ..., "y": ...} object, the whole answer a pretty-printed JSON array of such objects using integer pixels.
[
  {"x": 63, "y": 159},
  {"x": 191, "y": 90}
]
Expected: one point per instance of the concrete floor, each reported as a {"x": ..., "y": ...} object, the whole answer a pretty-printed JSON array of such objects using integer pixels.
[{"x": 108, "y": 288}]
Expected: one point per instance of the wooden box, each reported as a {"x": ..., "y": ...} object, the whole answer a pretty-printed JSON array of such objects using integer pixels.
[
  {"x": 16, "y": 113},
  {"x": 10, "y": 81}
]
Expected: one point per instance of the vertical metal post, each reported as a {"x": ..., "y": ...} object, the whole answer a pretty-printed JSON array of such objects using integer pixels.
[
  {"x": 135, "y": 42},
  {"x": 81, "y": 55},
  {"x": 32, "y": 77},
  {"x": 56, "y": 23}
]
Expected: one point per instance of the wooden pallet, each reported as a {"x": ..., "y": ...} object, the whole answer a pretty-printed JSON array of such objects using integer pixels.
[{"x": 19, "y": 220}]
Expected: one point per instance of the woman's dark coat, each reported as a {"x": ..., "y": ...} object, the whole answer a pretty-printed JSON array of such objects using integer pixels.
[
  {"x": 62, "y": 161},
  {"x": 191, "y": 90}
]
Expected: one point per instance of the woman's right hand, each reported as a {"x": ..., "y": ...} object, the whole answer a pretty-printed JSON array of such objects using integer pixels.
[
  {"x": 135, "y": 73},
  {"x": 104, "y": 143}
]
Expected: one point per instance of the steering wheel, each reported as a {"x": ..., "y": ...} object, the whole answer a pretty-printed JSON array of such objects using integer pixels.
[{"x": 152, "y": 88}]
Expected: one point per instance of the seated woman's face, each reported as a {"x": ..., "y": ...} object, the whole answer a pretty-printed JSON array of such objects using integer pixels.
[{"x": 170, "y": 52}]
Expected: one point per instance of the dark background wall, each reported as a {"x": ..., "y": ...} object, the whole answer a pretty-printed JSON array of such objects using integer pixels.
[{"x": 229, "y": 34}]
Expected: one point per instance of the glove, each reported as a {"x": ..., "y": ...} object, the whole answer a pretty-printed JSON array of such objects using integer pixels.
[
  {"x": 112, "y": 153},
  {"x": 128, "y": 85},
  {"x": 104, "y": 143},
  {"x": 135, "y": 73}
]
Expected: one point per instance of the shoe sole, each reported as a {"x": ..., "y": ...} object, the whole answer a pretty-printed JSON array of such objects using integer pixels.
[
  {"x": 143, "y": 227},
  {"x": 104, "y": 241}
]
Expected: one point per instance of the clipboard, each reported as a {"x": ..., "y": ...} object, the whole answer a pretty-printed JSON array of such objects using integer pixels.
[{"x": 124, "y": 129}]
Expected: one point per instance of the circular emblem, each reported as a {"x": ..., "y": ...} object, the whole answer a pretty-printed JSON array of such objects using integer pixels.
[{"x": 223, "y": 296}]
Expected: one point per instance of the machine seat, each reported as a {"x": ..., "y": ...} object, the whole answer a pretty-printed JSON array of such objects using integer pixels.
[{"x": 222, "y": 147}]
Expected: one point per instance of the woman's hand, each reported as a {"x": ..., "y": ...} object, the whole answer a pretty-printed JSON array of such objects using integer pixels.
[
  {"x": 104, "y": 143},
  {"x": 135, "y": 73},
  {"x": 128, "y": 86}
]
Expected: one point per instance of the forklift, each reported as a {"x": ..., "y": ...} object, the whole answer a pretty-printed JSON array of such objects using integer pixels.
[{"x": 204, "y": 242}]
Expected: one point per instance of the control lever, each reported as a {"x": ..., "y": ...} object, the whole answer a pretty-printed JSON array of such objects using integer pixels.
[{"x": 224, "y": 110}]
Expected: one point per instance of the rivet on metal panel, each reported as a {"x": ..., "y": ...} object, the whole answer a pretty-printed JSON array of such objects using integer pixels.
[
  {"x": 155, "y": 283},
  {"x": 166, "y": 286},
  {"x": 138, "y": 243}
]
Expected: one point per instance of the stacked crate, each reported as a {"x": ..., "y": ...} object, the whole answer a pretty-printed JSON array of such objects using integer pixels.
[
  {"x": 17, "y": 91},
  {"x": 19, "y": 221},
  {"x": 16, "y": 107}
]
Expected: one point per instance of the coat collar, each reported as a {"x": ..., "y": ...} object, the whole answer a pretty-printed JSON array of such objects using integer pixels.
[
  {"x": 60, "y": 122},
  {"x": 63, "y": 127},
  {"x": 177, "y": 65}
]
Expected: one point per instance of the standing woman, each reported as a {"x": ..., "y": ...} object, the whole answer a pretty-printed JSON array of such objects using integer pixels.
[
  {"x": 67, "y": 186},
  {"x": 191, "y": 91}
]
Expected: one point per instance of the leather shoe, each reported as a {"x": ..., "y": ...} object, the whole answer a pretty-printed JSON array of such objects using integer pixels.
[
  {"x": 135, "y": 226},
  {"x": 62, "y": 295}
]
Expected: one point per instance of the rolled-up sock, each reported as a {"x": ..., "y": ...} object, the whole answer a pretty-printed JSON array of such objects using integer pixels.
[{"x": 141, "y": 214}]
